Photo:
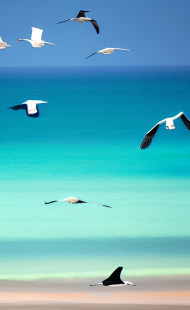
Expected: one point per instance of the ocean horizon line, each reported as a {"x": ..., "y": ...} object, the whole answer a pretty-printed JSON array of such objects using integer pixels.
[{"x": 96, "y": 68}]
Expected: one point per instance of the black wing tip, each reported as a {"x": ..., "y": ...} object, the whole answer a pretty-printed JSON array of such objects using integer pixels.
[
  {"x": 106, "y": 206},
  {"x": 96, "y": 26},
  {"x": 63, "y": 21},
  {"x": 149, "y": 137},
  {"x": 47, "y": 203},
  {"x": 91, "y": 55},
  {"x": 185, "y": 121},
  {"x": 145, "y": 143},
  {"x": 82, "y": 201}
]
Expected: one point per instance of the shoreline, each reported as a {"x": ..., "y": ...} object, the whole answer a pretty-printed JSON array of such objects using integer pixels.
[{"x": 157, "y": 291}]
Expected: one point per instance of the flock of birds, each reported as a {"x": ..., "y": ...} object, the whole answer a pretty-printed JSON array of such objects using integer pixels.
[
  {"x": 36, "y": 36},
  {"x": 30, "y": 106}
]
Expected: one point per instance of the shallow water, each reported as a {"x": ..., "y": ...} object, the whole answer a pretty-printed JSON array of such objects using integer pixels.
[{"x": 86, "y": 143}]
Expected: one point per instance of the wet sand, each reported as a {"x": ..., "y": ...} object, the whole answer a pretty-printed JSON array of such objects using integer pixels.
[{"x": 150, "y": 293}]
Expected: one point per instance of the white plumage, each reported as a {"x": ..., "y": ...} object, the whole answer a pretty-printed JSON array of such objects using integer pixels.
[
  {"x": 36, "y": 38},
  {"x": 81, "y": 18},
  {"x": 30, "y": 106},
  {"x": 109, "y": 50},
  {"x": 3, "y": 44},
  {"x": 169, "y": 125},
  {"x": 74, "y": 200},
  {"x": 36, "y": 34}
]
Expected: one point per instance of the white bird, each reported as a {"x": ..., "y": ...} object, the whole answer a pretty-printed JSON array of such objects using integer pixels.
[
  {"x": 109, "y": 50},
  {"x": 3, "y": 44},
  {"x": 114, "y": 279},
  {"x": 74, "y": 200},
  {"x": 36, "y": 38},
  {"x": 81, "y": 18},
  {"x": 30, "y": 106},
  {"x": 169, "y": 125}
]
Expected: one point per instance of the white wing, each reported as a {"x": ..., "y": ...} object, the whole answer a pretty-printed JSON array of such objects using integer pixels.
[
  {"x": 122, "y": 49},
  {"x": 32, "y": 102},
  {"x": 1, "y": 39},
  {"x": 36, "y": 34}
]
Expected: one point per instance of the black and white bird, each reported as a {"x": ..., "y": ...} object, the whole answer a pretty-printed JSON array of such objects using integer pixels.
[
  {"x": 3, "y": 44},
  {"x": 109, "y": 50},
  {"x": 74, "y": 200},
  {"x": 36, "y": 38},
  {"x": 81, "y": 18},
  {"x": 169, "y": 125},
  {"x": 114, "y": 279},
  {"x": 30, "y": 106}
]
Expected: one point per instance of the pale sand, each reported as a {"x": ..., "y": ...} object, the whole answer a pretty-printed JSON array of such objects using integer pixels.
[
  {"x": 162, "y": 292},
  {"x": 91, "y": 306}
]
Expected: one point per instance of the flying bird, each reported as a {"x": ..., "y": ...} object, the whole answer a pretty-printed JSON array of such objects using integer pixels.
[
  {"x": 30, "y": 106},
  {"x": 109, "y": 50},
  {"x": 169, "y": 125},
  {"x": 3, "y": 44},
  {"x": 114, "y": 279},
  {"x": 36, "y": 38},
  {"x": 74, "y": 200},
  {"x": 81, "y": 18}
]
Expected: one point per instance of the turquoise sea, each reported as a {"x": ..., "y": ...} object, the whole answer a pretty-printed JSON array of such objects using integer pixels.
[{"x": 86, "y": 143}]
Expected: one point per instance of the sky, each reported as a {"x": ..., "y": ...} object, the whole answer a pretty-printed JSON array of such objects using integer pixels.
[{"x": 157, "y": 30}]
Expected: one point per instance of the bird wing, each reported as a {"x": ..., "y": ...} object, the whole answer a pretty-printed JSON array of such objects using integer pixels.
[
  {"x": 106, "y": 206},
  {"x": 114, "y": 277},
  {"x": 46, "y": 203},
  {"x": 1, "y": 39},
  {"x": 18, "y": 107},
  {"x": 36, "y": 34},
  {"x": 149, "y": 137},
  {"x": 130, "y": 283},
  {"x": 95, "y": 24},
  {"x": 91, "y": 55},
  {"x": 63, "y": 21},
  {"x": 186, "y": 121},
  {"x": 122, "y": 49},
  {"x": 32, "y": 102},
  {"x": 81, "y": 14}
]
